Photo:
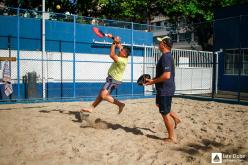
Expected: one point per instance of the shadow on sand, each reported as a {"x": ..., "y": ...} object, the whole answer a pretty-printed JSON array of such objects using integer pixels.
[
  {"x": 101, "y": 124},
  {"x": 31, "y": 107},
  {"x": 73, "y": 113},
  {"x": 196, "y": 148}
]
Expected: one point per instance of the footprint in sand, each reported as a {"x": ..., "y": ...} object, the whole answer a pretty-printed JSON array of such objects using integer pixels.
[
  {"x": 75, "y": 149},
  {"x": 204, "y": 129},
  {"x": 204, "y": 123},
  {"x": 219, "y": 128}
]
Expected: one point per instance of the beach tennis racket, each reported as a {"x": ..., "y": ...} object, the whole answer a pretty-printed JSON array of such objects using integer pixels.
[
  {"x": 142, "y": 79},
  {"x": 100, "y": 34}
]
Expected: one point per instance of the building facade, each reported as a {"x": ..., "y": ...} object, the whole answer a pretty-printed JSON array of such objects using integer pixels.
[{"x": 182, "y": 34}]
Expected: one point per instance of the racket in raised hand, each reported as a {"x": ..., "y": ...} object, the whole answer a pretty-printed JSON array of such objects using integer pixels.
[{"x": 100, "y": 34}]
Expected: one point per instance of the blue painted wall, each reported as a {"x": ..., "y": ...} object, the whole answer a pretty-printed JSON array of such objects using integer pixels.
[
  {"x": 59, "y": 37},
  {"x": 230, "y": 82},
  {"x": 63, "y": 33},
  {"x": 83, "y": 90},
  {"x": 230, "y": 32}
]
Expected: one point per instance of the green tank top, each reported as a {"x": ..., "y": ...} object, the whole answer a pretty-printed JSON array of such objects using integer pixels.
[{"x": 117, "y": 69}]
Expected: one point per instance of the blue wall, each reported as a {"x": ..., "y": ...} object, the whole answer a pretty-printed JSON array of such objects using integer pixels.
[
  {"x": 82, "y": 90},
  {"x": 56, "y": 32},
  {"x": 230, "y": 32},
  {"x": 230, "y": 82},
  {"x": 60, "y": 37}
]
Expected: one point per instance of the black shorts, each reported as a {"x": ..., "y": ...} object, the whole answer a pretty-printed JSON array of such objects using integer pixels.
[
  {"x": 111, "y": 84},
  {"x": 164, "y": 104}
]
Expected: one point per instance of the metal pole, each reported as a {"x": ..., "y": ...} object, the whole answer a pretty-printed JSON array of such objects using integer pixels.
[
  {"x": 132, "y": 57},
  {"x": 144, "y": 60},
  {"x": 43, "y": 50},
  {"x": 9, "y": 48},
  {"x": 18, "y": 54},
  {"x": 217, "y": 74},
  {"x": 214, "y": 68},
  {"x": 74, "y": 54},
  {"x": 144, "y": 66},
  {"x": 61, "y": 69},
  {"x": 239, "y": 59}
]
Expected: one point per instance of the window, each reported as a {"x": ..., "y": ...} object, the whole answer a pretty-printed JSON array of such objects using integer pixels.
[
  {"x": 174, "y": 37},
  {"x": 185, "y": 36},
  {"x": 232, "y": 62},
  {"x": 245, "y": 62},
  {"x": 181, "y": 37},
  {"x": 158, "y": 24},
  {"x": 188, "y": 36}
]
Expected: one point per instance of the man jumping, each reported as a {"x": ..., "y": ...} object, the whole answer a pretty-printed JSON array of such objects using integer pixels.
[{"x": 115, "y": 75}]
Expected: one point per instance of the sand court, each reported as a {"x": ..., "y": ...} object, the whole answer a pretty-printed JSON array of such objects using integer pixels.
[{"x": 54, "y": 133}]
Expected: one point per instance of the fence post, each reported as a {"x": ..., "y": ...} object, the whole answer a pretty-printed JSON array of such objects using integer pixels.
[
  {"x": 74, "y": 54},
  {"x": 239, "y": 59},
  {"x": 44, "y": 73},
  {"x": 217, "y": 73},
  {"x": 213, "y": 75},
  {"x": 61, "y": 69},
  {"x": 18, "y": 54},
  {"x": 9, "y": 48},
  {"x": 214, "y": 67},
  {"x": 132, "y": 57}
]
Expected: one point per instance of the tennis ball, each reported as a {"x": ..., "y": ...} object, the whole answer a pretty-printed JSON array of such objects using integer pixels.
[{"x": 58, "y": 7}]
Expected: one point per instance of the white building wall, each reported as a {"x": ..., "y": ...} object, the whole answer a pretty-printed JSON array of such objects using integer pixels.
[{"x": 89, "y": 67}]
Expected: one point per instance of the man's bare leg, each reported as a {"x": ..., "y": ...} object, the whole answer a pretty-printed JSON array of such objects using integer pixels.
[
  {"x": 97, "y": 101},
  {"x": 93, "y": 105},
  {"x": 175, "y": 118},
  {"x": 169, "y": 126},
  {"x": 106, "y": 96}
]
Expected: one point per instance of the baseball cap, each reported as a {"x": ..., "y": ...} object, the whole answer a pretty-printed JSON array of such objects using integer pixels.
[{"x": 167, "y": 40}]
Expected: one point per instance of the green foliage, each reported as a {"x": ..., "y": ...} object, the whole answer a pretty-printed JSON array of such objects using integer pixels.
[
  {"x": 143, "y": 10},
  {"x": 135, "y": 10},
  {"x": 129, "y": 10}
]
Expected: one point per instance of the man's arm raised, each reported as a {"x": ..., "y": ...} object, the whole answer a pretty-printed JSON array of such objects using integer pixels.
[{"x": 112, "y": 49}]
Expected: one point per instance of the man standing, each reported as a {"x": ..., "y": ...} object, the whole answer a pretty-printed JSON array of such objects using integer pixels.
[
  {"x": 115, "y": 75},
  {"x": 165, "y": 86}
]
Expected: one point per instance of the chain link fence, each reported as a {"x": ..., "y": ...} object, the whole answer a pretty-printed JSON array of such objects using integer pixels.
[
  {"x": 231, "y": 39},
  {"x": 72, "y": 67}
]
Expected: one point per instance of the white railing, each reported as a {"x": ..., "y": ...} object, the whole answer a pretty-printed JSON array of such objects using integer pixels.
[{"x": 193, "y": 70}]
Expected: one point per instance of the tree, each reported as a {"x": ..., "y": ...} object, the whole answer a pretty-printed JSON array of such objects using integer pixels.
[
  {"x": 65, "y": 6},
  {"x": 129, "y": 10},
  {"x": 198, "y": 15},
  {"x": 87, "y": 7},
  {"x": 195, "y": 10},
  {"x": 11, "y": 3},
  {"x": 135, "y": 10}
]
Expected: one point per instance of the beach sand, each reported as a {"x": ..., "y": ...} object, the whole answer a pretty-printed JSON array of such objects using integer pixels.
[{"x": 53, "y": 134}]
